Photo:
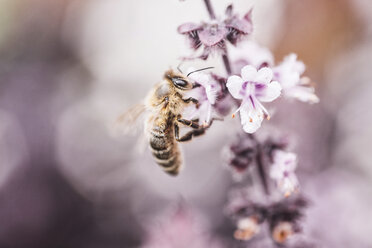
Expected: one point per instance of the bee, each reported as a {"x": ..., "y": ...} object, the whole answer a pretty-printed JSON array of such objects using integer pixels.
[{"x": 165, "y": 104}]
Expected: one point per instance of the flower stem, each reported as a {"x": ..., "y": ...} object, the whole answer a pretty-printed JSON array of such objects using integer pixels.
[
  {"x": 226, "y": 62},
  {"x": 225, "y": 56},
  {"x": 261, "y": 170},
  {"x": 260, "y": 164},
  {"x": 210, "y": 9}
]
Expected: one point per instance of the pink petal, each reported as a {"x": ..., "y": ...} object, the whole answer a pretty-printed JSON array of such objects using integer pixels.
[
  {"x": 248, "y": 16},
  {"x": 212, "y": 35},
  {"x": 188, "y": 27},
  {"x": 229, "y": 10},
  {"x": 243, "y": 26}
]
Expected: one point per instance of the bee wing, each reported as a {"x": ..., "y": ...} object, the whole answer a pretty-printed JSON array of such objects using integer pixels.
[{"x": 131, "y": 121}]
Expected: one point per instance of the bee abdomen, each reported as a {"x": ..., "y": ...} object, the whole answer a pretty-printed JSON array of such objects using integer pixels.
[
  {"x": 166, "y": 153},
  {"x": 158, "y": 143}
]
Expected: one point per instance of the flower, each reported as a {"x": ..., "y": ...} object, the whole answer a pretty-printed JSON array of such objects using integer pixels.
[
  {"x": 181, "y": 227},
  {"x": 237, "y": 27},
  {"x": 206, "y": 94},
  {"x": 250, "y": 211},
  {"x": 282, "y": 231},
  {"x": 246, "y": 228},
  {"x": 282, "y": 170},
  {"x": 288, "y": 74},
  {"x": 213, "y": 36},
  {"x": 251, "y": 53},
  {"x": 225, "y": 103},
  {"x": 242, "y": 153},
  {"x": 252, "y": 88}
]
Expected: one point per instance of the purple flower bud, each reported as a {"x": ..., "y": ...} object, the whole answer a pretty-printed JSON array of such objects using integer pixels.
[
  {"x": 238, "y": 28},
  {"x": 242, "y": 153},
  {"x": 213, "y": 36}
]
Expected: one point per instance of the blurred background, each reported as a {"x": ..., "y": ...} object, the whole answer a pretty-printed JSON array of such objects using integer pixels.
[{"x": 68, "y": 68}]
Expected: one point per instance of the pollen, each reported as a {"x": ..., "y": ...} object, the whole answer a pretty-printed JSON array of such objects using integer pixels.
[
  {"x": 282, "y": 232},
  {"x": 247, "y": 228}
]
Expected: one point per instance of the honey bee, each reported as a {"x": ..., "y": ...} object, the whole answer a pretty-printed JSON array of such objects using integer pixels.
[{"x": 165, "y": 104}]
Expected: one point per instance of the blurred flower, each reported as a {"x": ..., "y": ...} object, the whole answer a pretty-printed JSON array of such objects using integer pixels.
[
  {"x": 282, "y": 170},
  {"x": 288, "y": 74},
  {"x": 247, "y": 228},
  {"x": 282, "y": 231},
  {"x": 284, "y": 216},
  {"x": 254, "y": 86},
  {"x": 209, "y": 35},
  {"x": 225, "y": 102},
  {"x": 242, "y": 153},
  {"x": 212, "y": 36},
  {"x": 250, "y": 53},
  {"x": 206, "y": 94},
  {"x": 237, "y": 27},
  {"x": 249, "y": 212},
  {"x": 293, "y": 242},
  {"x": 181, "y": 228},
  {"x": 272, "y": 143}
]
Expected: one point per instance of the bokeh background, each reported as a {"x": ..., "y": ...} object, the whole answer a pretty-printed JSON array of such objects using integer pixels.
[{"x": 68, "y": 68}]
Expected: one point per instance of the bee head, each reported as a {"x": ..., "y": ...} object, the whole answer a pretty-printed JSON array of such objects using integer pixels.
[{"x": 179, "y": 81}]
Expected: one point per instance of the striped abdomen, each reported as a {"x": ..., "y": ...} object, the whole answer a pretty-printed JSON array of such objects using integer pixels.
[{"x": 165, "y": 149}]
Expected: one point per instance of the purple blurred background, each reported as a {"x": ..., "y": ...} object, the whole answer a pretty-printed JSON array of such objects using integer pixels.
[{"x": 68, "y": 68}]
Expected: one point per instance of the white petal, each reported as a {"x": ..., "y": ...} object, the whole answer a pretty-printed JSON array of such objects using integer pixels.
[
  {"x": 289, "y": 184},
  {"x": 289, "y": 71},
  {"x": 204, "y": 113},
  {"x": 196, "y": 93},
  {"x": 190, "y": 112},
  {"x": 249, "y": 73},
  {"x": 264, "y": 75},
  {"x": 290, "y": 161},
  {"x": 297, "y": 65},
  {"x": 276, "y": 172},
  {"x": 212, "y": 92},
  {"x": 302, "y": 93},
  {"x": 251, "y": 118},
  {"x": 251, "y": 53},
  {"x": 284, "y": 163},
  {"x": 234, "y": 84},
  {"x": 271, "y": 92}
]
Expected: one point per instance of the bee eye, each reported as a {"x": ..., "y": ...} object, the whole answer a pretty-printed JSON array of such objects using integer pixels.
[{"x": 180, "y": 83}]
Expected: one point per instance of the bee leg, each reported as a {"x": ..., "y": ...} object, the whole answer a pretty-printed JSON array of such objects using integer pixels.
[
  {"x": 188, "y": 136},
  {"x": 191, "y": 99},
  {"x": 192, "y": 124},
  {"x": 211, "y": 122}
]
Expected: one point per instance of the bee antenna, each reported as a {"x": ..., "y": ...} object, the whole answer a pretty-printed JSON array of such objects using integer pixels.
[
  {"x": 203, "y": 69},
  {"x": 178, "y": 67}
]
